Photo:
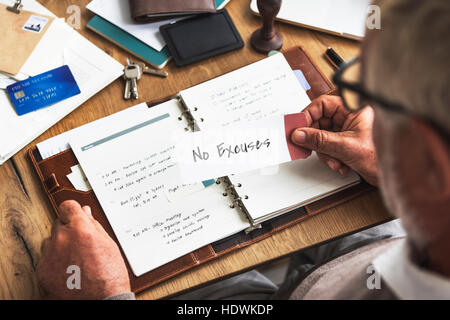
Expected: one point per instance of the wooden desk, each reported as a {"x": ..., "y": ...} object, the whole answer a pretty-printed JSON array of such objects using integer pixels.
[{"x": 25, "y": 213}]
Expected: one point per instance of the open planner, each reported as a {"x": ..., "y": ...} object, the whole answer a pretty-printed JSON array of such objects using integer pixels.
[{"x": 164, "y": 226}]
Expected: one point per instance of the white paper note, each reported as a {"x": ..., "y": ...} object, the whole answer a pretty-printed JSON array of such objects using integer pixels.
[
  {"x": 78, "y": 179},
  {"x": 35, "y": 24},
  {"x": 237, "y": 148},
  {"x": 179, "y": 191}
]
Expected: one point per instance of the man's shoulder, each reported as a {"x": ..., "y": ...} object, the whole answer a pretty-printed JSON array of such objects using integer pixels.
[
  {"x": 351, "y": 276},
  {"x": 365, "y": 286}
]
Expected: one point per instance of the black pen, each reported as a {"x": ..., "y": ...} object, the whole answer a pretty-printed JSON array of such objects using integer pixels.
[{"x": 333, "y": 58}]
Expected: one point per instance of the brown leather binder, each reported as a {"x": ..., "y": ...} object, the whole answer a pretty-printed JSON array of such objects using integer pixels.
[
  {"x": 53, "y": 171},
  {"x": 149, "y": 10}
]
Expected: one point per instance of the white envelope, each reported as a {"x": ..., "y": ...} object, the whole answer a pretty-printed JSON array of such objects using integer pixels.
[{"x": 93, "y": 70}]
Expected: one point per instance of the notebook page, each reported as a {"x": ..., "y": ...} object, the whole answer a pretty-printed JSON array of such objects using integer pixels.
[
  {"x": 288, "y": 185},
  {"x": 131, "y": 168},
  {"x": 60, "y": 143},
  {"x": 262, "y": 89}
]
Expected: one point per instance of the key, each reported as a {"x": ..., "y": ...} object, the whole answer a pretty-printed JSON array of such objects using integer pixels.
[
  {"x": 147, "y": 70},
  {"x": 161, "y": 74},
  {"x": 127, "y": 94},
  {"x": 132, "y": 74},
  {"x": 134, "y": 89}
]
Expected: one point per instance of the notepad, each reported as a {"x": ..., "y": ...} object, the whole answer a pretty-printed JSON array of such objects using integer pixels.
[{"x": 131, "y": 166}]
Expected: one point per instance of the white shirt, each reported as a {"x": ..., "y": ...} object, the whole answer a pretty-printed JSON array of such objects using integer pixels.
[{"x": 407, "y": 280}]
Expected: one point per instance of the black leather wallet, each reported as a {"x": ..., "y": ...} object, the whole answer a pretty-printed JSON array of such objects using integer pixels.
[{"x": 201, "y": 37}]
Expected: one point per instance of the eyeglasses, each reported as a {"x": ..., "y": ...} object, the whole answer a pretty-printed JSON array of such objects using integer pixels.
[{"x": 355, "y": 96}]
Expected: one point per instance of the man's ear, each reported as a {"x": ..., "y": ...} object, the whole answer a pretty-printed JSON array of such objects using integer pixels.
[{"x": 424, "y": 164}]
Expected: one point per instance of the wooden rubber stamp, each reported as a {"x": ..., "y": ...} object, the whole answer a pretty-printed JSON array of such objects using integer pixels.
[{"x": 267, "y": 38}]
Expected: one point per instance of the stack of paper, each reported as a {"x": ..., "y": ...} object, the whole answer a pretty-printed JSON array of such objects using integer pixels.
[
  {"x": 114, "y": 22},
  {"x": 118, "y": 13},
  {"x": 61, "y": 45}
]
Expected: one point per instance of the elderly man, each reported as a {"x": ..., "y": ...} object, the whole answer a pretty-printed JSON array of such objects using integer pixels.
[{"x": 403, "y": 74}]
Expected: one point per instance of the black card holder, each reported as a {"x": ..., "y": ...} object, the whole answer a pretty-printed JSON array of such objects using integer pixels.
[{"x": 201, "y": 37}]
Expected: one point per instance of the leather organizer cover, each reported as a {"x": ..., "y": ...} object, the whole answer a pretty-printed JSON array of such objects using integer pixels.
[
  {"x": 147, "y": 10},
  {"x": 53, "y": 171}
]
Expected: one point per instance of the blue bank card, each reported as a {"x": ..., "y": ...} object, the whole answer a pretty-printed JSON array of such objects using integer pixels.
[{"x": 43, "y": 90}]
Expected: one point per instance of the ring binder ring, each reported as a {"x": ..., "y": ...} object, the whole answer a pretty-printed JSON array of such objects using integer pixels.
[
  {"x": 232, "y": 186},
  {"x": 230, "y": 190},
  {"x": 239, "y": 199},
  {"x": 187, "y": 114}
]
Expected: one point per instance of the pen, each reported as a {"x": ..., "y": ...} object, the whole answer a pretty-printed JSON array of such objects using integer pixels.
[{"x": 333, "y": 58}]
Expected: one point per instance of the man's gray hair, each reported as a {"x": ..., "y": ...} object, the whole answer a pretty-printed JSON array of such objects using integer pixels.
[{"x": 409, "y": 58}]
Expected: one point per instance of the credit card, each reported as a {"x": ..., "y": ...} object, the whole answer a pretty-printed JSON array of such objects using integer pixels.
[{"x": 43, "y": 90}]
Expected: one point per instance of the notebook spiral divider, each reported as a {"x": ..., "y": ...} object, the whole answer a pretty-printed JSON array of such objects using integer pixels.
[
  {"x": 237, "y": 201},
  {"x": 230, "y": 188},
  {"x": 187, "y": 115}
]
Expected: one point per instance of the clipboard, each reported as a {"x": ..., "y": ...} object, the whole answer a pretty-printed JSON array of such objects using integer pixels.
[
  {"x": 53, "y": 171},
  {"x": 22, "y": 33}
]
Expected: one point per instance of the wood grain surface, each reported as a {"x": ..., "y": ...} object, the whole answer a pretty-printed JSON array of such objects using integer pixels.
[{"x": 25, "y": 213}]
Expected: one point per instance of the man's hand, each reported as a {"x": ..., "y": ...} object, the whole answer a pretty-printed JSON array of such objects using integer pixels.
[
  {"x": 78, "y": 239},
  {"x": 341, "y": 139}
]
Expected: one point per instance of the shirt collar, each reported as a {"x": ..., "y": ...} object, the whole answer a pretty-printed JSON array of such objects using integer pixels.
[{"x": 406, "y": 279}]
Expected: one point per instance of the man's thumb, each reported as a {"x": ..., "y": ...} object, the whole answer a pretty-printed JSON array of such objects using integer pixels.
[{"x": 321, "y": 141}]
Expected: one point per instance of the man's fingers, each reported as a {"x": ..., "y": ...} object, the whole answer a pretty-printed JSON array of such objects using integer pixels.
[
  {"x": 87, "y": 210},
  {"x": 344, "y": 170},
  {"x": 326, "y": 106},
  {"x": 325, "y": 124},
  {"x": 57, "y": 225},
  {"x": 334, "y": 164},
  {"x": 68, "y": 210},
  {"x": 331, "y": 162},
  {"x": 321, "y": 141}
]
